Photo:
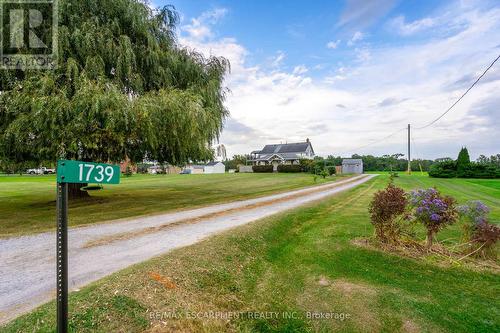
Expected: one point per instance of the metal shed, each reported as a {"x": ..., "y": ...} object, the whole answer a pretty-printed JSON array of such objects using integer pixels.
[{"x": 352, "y": 165}]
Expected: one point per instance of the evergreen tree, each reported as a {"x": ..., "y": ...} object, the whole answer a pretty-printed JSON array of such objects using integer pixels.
[
  {"x": 123, "y": 89},
  {"x": 463, "y": 161}
]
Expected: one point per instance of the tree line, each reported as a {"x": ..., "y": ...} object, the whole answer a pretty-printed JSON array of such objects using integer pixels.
[
  {"x": 394, "y": 162},
  {"x": 463, "y": 167}
]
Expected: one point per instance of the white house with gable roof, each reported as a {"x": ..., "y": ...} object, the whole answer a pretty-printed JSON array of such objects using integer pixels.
[{"x": 283, "y": 153}]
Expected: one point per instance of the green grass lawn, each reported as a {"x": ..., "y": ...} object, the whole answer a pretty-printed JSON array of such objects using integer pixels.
[
  {"x": 27, "y": 203},
  {"x": 293, "y": 263}
]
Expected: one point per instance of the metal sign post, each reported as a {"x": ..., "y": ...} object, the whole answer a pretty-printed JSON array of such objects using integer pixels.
[
  {"x": 73, "y": 172},
  {"x": 62, "y": 257}
]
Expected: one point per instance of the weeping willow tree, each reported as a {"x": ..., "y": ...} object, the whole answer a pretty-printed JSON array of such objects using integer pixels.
[{"x": 123, "y": 89}]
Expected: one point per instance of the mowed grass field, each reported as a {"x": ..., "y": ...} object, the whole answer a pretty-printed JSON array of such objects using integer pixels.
[
  {"x": 270, "y": 275},
  {"x": 27, "y": 203},
  {"x": 486, "y": 190}
]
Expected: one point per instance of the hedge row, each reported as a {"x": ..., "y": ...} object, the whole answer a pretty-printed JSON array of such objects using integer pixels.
[
  {"x": 448, "y": 169},
  {"x": 262, "y": 168},
  {"x": 478, "y": 170},
  {"x": 292, "y": 168},
  {"x": 288, "y": 168}
]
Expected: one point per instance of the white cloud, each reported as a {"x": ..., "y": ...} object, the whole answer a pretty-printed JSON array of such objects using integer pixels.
[
  {"x": 363, "y": 55},
  {"x": 214, "y": 15},
  {"x": 226, "y": 47},
  {"x": 301, "y": 69},
  {"x": 278, "y": 59},
  {"x": 359, "y": 14},
  {"x": 358, "y": 35},
  {"x": 333, "y": 79},
  {"x": 333, "y": 44},
  {"x": 410, "y": 28},
  {"x": 200, "y": 27},
  {"x": 385, "y": 89}
]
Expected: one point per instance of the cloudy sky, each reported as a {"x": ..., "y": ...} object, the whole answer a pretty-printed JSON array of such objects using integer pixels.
[{"x": 348, "y": 73}]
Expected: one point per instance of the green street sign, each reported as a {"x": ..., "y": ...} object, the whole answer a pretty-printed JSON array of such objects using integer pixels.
[{"x": 87, "y": 172}]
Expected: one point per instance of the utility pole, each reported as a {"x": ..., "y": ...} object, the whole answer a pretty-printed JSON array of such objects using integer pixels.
[{"x": 409, "y": 156}]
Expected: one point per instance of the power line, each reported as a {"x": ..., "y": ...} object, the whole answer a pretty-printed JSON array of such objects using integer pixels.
[
  {"x": 435, "y": 120},
  {"x": 463, "y": 95},
  {"x": 374, "y": 142}
]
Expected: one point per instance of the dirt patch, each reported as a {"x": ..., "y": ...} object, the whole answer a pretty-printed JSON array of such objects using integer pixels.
[
  {"x": 165, "y": 281},
  {"x": 346, "y": 287},
  {"x": 409, "y": 326},
  {"x": 323, "y": 281},
  {"x": 355, "y": 299},
  {"x": 361, "y": 302},
  {"x": 350, "y": 288}
]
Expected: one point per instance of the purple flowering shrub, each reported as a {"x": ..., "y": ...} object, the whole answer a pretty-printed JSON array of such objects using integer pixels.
[
  {"x": 472, "y": 214},
  {"x": 433, "y": 210},
  {"x": 474, "y": 211},
  {"x": 477, "y": 229}
]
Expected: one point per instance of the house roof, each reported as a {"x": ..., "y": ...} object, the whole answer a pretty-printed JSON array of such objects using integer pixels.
[
  {"x": 284, "y": 156},
  {"x": 352, "y": 161},
  {"x": 297, "y": 148},
  {"x": 212, "y": 163}
]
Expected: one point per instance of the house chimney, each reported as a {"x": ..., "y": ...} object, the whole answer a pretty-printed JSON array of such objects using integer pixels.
[{"x": 307, "y": 140}]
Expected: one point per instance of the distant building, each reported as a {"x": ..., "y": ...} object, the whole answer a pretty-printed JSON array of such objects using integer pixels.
[
  {"x": 214, "y": 167},
  {"x": 352, "y": 165},
  {"x": 287, "y": 153},
  {"x": 195, "y": 168},
  {"x": 167, "y": 169}
]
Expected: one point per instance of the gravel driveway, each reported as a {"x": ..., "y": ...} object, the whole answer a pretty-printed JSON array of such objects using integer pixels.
[{"x": 27, "y": 268}]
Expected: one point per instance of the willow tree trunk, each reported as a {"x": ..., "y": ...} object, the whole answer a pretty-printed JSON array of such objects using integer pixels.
[{"x": 75, "y": 192}]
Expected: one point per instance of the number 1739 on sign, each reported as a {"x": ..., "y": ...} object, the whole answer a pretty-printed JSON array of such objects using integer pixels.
[
  {"x": 101, "y": 173},
  {"x": 87, "y": 172}
]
